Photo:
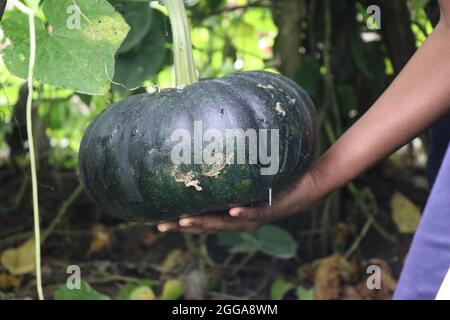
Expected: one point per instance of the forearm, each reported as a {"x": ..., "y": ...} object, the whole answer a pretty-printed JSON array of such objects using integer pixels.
[{"x": 418, "y": 96}]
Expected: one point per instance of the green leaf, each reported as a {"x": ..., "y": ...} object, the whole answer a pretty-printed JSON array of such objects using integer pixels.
[
  {"x": 172, "y": 290},
  {"x": 127, "y": 290},
  {"x": 308, "y": 75},
  {"x": 305, "y": 294},
  {"x": 245, "y": 247},
  {"x": 145, "y": 59},
  {"x": 405, "y": 213},
  {"x": 347, "y": 97},
  {"x": 138, "y": 15},
  {"x": 84, "y": 293},
  {"x": 271, "y": 240},
  {"x": 81, "y": 59},
  {"x": 276, "y": 242},
  {"x": 229, "y": 238},
  {"x": 280, "y": 288},
  {"x": 142, "y": 293}
]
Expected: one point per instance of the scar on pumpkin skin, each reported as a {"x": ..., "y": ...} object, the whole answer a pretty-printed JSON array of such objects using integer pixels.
[
  {"x": 186, "y": 178},
  {"x": 213, "y": 170},
  {"x": 279, "y": 108},
  {"x": 269, "y": 86}
]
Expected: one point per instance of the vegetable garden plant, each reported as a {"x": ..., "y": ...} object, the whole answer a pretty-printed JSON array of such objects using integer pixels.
[{"x": 126, "y": 159}]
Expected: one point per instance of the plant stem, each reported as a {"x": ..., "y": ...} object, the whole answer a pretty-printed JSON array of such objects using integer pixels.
[
  {"x": 204, "y": 251},
  {"x": 23, "y": 8},
  {"x": 185, "y": 72},
  {"x": 61, "y": 212},
  {"x": 243, "y": 262}
]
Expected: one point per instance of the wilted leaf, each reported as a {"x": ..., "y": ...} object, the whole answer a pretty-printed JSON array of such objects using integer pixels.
[
  {"x": 280, "y": 288},
  {"x": 8, "y": 281},
  {"x": 172, "y": 290},
  {"x": 100, "y": 239},
  {"x": 86, "y": 292},
  {"x": 20, "y": 260},
  {"x": 327, "y": 280},
  {"x": 405, "y": 213},
  {"x": 307, "y": 272},
  {"x": 348, "y": 270},
  {"x": 350, "y": 293}
]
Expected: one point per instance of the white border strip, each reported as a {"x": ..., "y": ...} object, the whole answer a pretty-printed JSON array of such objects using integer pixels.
[{"x": 444, "y": 291}]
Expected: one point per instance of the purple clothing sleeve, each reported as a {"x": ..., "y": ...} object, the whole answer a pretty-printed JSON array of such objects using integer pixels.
[{"x": 429, "y": 257}]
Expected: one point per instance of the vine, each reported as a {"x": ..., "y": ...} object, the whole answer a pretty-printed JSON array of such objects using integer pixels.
[
  {"x": 37, "y": 235},
  {"x": 185, "y": 72}
]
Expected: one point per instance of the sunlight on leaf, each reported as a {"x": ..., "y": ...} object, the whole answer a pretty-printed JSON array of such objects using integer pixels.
[
  {"x": 142, "y": 293},
  {"x": 405, "y": 213},
  {"x": 21, "y": 259},
  {"x": 172, "y": 290},
  {"x": 129, "y": 288}
]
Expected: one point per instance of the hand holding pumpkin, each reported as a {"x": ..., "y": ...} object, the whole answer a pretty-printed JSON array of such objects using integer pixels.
[{"x": 304, "y": 194}]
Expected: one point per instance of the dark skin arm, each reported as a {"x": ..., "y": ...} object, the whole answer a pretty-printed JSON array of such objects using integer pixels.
[{"x": 417, "y": 97}]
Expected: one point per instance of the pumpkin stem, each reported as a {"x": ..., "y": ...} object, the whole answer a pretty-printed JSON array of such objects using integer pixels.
[{"x": 185, "y": 72}]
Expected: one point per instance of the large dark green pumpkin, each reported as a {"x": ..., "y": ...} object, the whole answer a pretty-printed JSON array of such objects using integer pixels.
[{"x": 125, "y": 156}]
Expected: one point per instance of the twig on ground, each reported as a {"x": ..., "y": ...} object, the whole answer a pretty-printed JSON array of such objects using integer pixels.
[{"x": 359, "y": 238}]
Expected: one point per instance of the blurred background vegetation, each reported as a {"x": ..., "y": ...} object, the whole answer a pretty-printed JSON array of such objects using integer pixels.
[{"x": 328, "y": 48}]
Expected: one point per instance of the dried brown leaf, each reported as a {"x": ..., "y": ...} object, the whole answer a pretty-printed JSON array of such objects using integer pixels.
[
  {"x": 8, "y": 281},
  {"x": 327, "y": 280},
  {"x": 100, "y": 239}
]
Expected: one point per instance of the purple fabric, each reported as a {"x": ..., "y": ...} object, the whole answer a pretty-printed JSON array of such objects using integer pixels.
[
  {"x": 429, "y": 257},
  {"x": 439, "y": 137}
]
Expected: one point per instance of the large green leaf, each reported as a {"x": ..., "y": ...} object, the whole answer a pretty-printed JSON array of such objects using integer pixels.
[
  {"x": 145, "y": 59},
  {"x": 81, "y": 59},
  {"x": 84, "y": 293},
  {"x": 138, "y": 15}
]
